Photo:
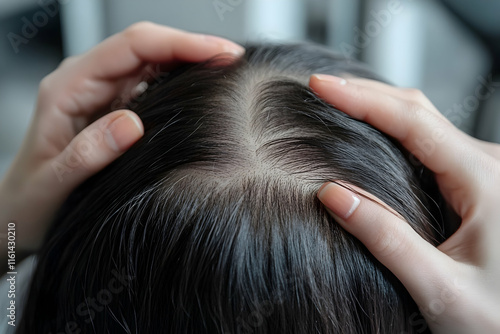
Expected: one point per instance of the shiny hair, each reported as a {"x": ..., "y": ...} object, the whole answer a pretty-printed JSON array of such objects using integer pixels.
[{"x": 211, "y": 224}]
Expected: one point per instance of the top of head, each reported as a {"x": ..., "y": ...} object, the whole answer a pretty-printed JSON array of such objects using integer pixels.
[
  {"x": 214, "y": 212},
  {"x": 229, "y": 122}
]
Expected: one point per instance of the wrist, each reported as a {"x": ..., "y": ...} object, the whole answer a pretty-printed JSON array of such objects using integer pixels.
[{"x": 22, "y": 207}]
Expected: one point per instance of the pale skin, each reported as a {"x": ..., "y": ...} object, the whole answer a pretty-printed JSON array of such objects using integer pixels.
[
  {"x": 457, "y": 284},
  {"x": 65, "y": 144}
]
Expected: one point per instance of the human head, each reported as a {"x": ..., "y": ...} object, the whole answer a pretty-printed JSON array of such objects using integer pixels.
[{"x": 210, "y": 223}]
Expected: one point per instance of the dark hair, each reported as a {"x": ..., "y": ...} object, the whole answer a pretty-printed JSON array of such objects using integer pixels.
[{"x": 210, "y": 223}]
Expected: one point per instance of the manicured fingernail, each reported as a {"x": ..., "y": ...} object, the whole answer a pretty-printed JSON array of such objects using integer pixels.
[
  {"x": 338, "y": 199},
  {"x": 235, "y": 49},
  {"x": 330, "y": 79},
  {"x": 227, "y": 45},
  {"x": 124, "y": 131}
]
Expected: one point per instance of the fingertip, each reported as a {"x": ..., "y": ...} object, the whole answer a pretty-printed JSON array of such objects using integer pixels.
[
  {"x": 320, "y": 193},
  {"x": 95, "y": 147},
  {"x": 124, "y": 131},
  {"x": 329, "y": 88},
  {"x": 138, "y": 122},
  {"x": 325, "y": 79},
  {"x": 341, "y": 201},
  {"x": 225, "y": 44}
]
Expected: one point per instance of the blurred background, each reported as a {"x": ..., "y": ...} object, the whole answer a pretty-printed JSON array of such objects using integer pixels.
[{"x": 450, "y": 49}]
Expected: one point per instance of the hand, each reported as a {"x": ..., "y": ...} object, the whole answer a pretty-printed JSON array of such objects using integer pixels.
[
  {"x": 456, "y": 285},
  {"x": 63, "y": 146}
]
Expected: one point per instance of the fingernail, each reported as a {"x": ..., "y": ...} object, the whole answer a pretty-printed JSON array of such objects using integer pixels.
[
  {"x": 124, "y": 131},
  {"x": 227, "y": 45},
  {"x": 338, "y": 199},
  {"x": 236, "y": 50},
  {"x": 331, "y": 79}
]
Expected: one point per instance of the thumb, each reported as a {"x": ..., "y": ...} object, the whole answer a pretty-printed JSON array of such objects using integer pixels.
[
  {"x": 95, "y": 147},
  {"x": 422, "y": 268}
]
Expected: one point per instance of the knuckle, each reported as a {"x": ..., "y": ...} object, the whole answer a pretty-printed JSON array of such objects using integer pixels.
[
  {"x": 390, "y": 242},
  {"x": 415, "y": 109},
  {"x": 421, "y": 115},
  {"x": 415, "y": 94},
  {"x": 68, "y": 61},
  {"x": 138, "y": 29},
  {"x": 45, "y": 84}
]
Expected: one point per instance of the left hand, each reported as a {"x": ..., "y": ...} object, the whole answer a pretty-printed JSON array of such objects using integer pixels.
[
  {"x": 64, "y": 145},
  {"x": 456, "y": 285}
]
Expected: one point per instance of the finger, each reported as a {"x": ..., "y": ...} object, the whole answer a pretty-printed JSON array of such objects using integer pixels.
[
  {"x": 87, "y": 82},
  {"x": 435, "y": 142},
  {"x": 391, "y": 240},
  {"x": 149, "y": 42},
  {"x": 94, "y": 148},
  {"x": 411, "y": 94},
  {"x": 493, "y": 149}
]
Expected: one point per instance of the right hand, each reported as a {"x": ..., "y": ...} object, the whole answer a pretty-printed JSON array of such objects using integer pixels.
[{"x": 456, "y": 285}]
